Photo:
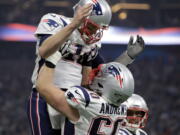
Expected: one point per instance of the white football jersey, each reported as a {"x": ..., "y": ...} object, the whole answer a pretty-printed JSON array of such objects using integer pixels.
[
  {"x": 96, "y": 115},
  {"x": 69, "y": 73},
  {"x": 124, "y": 131}
]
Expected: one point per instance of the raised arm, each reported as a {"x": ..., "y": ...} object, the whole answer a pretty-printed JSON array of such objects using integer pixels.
[
  {"x": 133, "y": 50},
  {"x": 52, "y": 43}
]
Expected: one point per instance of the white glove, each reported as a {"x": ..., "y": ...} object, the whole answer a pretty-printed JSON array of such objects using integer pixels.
[
  {"x": 54, "y": 58},
  {"x": 134, "y": 49}
]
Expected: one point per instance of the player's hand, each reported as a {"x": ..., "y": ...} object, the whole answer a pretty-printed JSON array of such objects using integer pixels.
[
  {"x": 134, "y": 49},
  {"x": 81, "y": 13}
]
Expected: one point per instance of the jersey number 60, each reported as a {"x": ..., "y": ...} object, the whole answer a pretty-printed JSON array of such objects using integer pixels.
[{"x": 100, "y": 123}]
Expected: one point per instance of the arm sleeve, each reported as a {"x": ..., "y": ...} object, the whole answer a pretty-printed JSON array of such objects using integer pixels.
[
  {"x": 43, "y": 37},
  {"x": 78, "y": 97},
  {"x": 124, "y": 59}
]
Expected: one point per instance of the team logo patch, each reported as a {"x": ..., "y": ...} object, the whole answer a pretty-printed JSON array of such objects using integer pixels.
[{"x": 51, "y": 23}]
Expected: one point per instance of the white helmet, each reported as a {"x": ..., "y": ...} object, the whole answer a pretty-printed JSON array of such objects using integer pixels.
[
  {"x": 92, "y": 28},
  {"x": 114, "y": 81},
  {"x": 137, "y": 112}
]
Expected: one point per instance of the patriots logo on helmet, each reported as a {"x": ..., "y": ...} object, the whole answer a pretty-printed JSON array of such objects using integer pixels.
[
  {"x": 51, "y": 23},
  {"x": 96, "y": 8},
  {"x": 116, "y": 73}
]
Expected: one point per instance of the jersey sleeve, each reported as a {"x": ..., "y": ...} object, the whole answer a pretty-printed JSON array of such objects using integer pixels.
[
  {"x": 78, "y": 97},
  {"x": 50, "y": 24}
]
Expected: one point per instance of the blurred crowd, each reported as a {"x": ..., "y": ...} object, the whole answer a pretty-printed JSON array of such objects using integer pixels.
[
  {"x": 156, "y": 80},
  {"x": 162, "y": 13},
  {"x": 15, "y": 87}
]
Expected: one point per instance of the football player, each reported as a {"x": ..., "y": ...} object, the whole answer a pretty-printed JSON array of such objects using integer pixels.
[
  {"x": 55, "y": 30},
  {"x": 93, "y": 111},
  {"x": 137, "y": 115},
  {"x": 79, "y": 38}
]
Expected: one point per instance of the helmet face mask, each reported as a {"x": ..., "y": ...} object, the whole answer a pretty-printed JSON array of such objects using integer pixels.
[
  {"x": 136, "y": 117},
  {"x": 93, "y": 77},
  {"x": 92, "y": 28},
  {"x": 137, "y": 113},
  {"x": 90, "y": 32},
  {"x": 94, "y": 73}
]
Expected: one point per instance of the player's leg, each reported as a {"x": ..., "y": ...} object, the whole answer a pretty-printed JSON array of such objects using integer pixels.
[{"x": 38, "y": 115}]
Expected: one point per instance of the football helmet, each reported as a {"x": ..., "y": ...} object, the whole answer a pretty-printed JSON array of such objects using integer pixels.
[
  {"x": 92, "y": 28},
  {"x": 113, "y": 81},
  {"x": 137, "y": 112}
]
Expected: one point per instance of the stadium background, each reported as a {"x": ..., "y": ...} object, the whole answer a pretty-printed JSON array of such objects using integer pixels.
[{"x": 156, "y": 71}]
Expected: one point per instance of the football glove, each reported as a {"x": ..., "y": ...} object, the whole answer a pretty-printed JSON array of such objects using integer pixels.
[{"x": 134, "y": 49}]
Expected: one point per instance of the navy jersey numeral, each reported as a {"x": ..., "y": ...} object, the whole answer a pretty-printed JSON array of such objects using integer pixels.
[{"x": 103, "y": 122}]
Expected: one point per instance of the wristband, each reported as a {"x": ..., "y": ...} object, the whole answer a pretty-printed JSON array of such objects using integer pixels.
[{"x": 54, "y": 58}]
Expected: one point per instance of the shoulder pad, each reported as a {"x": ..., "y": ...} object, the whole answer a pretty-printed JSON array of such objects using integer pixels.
[{"x": 50, "y": 24}]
